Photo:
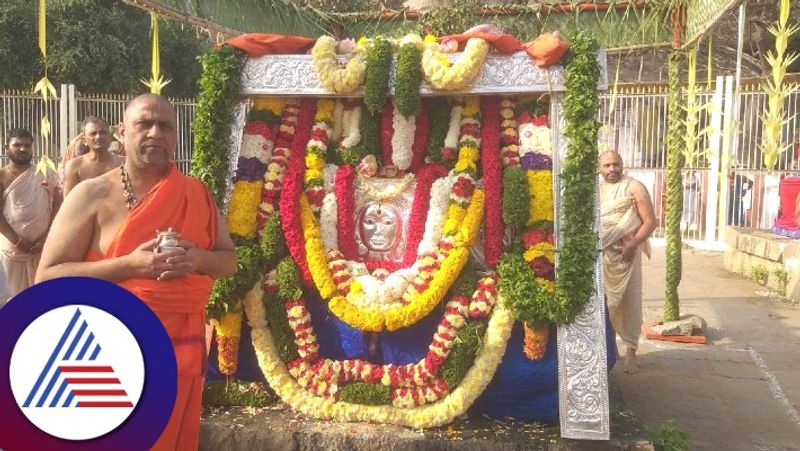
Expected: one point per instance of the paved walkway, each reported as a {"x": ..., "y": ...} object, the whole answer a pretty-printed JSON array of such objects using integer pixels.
[{"x": 740, "y": 391}]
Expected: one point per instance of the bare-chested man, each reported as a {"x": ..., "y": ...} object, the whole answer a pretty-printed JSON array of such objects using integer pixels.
[
  {"x": 626, "y": 223},
  {"x": 107, "y": 227},
  {"x": 97, "y": 137}
]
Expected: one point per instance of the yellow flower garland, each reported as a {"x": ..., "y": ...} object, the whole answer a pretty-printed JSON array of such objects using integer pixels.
[
  {"x": 442, "y": 75},
  {"x": 374, "y": 320},
  {"x": 315, "y": 250},
  {"x": 272, "y": 104},
  {"x": 438, "y": 413},
  {"x": 333, "y": 78},
  {"x": 243, "y": 208},
  {"x": 540, "y": 184}
]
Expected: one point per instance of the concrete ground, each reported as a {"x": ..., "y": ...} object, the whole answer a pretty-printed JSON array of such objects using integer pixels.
[{"x": 741, "y": 391}]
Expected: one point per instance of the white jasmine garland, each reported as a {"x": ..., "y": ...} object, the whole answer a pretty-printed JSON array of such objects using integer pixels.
[
  {"x": 338, "y": 120},
  {"x": 437, "y": 212},
  {"x": 328, "y": 219},
  {"x": 329, "y": 176},
  {"x": 451, "y": 139},
  {"x": 403, "y": 139},
  {"x": 352, "y": 132}
]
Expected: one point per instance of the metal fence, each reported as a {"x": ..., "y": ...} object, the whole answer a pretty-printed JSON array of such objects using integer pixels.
[
  {"x": 728, "y": 184},
  {"x": 21, "y": 109}
]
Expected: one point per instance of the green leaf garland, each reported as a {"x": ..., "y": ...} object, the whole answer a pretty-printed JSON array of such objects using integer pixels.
[
  {"x": 379, "y": 62},
  {"x": 578, "y": 253},
  {"x": 219, "y": 92},
  {"x": 516, "y": 196},
  {"x": 364, "y": 393},
  {"x": 522, "y": 292},
  {"x": 406, "y": 89},
  {"x": 272, "y": 244},
  {"x": 462, "y": 354},
  {"x": 675, "y": 130},
  {"x": 439, "y": 114},
  {"x": 282, "y": 333}
]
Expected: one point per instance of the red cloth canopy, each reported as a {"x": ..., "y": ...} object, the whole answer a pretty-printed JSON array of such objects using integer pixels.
[{"x": 259, "y": 44}]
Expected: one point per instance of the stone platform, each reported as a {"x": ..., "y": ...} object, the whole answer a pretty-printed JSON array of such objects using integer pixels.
[
  {"x": 277, "y": 428},
  {"x": 748, "y": 250}
]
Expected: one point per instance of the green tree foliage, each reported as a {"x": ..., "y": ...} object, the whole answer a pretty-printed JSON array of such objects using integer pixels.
[{"x": 99, "y": 45}]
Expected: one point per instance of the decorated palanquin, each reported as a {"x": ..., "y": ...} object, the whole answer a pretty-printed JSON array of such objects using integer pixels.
[{"x": 394, "y": 208}]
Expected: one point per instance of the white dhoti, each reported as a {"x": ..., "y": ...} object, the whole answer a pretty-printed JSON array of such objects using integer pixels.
[
  {"x": 27, "y": 206},
  {"x": 623, "y": 278}
]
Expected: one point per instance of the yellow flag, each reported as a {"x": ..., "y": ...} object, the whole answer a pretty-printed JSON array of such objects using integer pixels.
[
  {"x": 156, "y": 81},
  {"x": 43, "y": 27}
]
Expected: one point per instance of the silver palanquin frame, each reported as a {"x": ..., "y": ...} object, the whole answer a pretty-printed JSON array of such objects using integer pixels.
[{"x": 582, "y": 369}]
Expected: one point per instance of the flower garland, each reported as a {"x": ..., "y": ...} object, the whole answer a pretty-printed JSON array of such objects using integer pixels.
[
  {"x": 453, "y": 128},
  {"x": 438, "y": 413},
  {"x": 343, "y": 189},
  {"x": 419, "y": 304},
  {"x": 423, "y": 125},
  {"x": 243, "y": 208},
  {"x": 510, "y": 137},
  {"x": 402, "y": 139},
  {"x": 442, "y": 75},
  {"x": 540, "y": 205},
  {"x": 293, "y": 187},
  {"x": 387, "y": 134},
  {"x": 329, "y": 218},
  {"x": 273, "y": 178},
  {"x": 316, "y": 149},
  {"x": 535, "y": 143},
  {"x": 491, "y": 163},
  {"x": 466, "y": 168},
  {"x": 351, "y": 133},
  {"x": 339, "y": 80}
]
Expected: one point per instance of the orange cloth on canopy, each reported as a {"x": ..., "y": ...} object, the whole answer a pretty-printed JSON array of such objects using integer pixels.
[
  {"x": 547, "y": 49},
  {"x": 502, "y": 42},
  {"x": 184, "y": 204},
  {"x": 259, "y": 44}
]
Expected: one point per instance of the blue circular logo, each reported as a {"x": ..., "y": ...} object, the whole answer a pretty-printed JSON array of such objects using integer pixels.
[{"x": 89, "y": 366}]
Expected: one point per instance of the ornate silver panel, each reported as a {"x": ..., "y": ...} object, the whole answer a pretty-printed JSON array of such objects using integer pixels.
[
  {"x": 234, "y": 148},
  {"x": 501, "y": 74},
  {"x": 582, "y": 364}
]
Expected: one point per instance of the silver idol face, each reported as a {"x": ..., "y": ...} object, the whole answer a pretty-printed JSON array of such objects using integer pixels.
[{"x": 380, "y": 227}]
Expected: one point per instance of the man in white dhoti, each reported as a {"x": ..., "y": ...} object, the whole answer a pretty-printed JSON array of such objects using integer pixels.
[
  {"x": 627, "y": 220},
  {"x": 29, "y": 203}
]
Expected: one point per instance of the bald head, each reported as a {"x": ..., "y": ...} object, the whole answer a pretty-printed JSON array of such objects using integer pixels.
[
  {"x": 610, "y": 166},
  {"x": 149, "y": 99},
  {"x": 150, "y": 131}
]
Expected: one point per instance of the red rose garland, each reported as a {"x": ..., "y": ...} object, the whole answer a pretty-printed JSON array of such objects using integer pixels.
[
  {"x": 345, "y": 203},
  {"x": 423, "y": 125},
  {"x": 293, "y": 187},
  {"x": 492, "y": 180}
]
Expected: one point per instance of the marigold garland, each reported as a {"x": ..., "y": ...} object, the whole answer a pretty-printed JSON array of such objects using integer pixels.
[
  {"x": 339, "y": 80},
  {"x": 441, "y": 412},
  {"x": 540, "y": 184},
  {"x": 243, "y": 208},
  {"x": 442, "y": 75}
]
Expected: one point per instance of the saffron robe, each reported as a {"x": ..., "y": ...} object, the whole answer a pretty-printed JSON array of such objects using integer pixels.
[{"x": 183, "y": 203}]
